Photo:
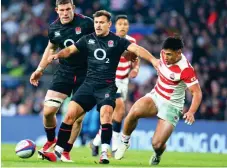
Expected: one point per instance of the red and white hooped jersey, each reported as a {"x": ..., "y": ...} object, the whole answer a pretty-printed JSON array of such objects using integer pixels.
[
  {"x": 124, "y": 66},
  {"x": 174, "y": 79}
]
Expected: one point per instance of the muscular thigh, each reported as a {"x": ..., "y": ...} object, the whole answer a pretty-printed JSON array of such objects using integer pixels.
[
  {"x": 144, "y": 107},
  {"x": 105, "y": 95},
  {"x": 84, "y": 96}
]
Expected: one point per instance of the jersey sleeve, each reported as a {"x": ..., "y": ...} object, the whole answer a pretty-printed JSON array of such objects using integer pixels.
[
  {"x": 81, "y": 44},
  {"x": 188, "y": 76},
  {"x": 51, "y": 35},
  {"x": 124, "y": 43},
  {"x": 90, "y": 25}
]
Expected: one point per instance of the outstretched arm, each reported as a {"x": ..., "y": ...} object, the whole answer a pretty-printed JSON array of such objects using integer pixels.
[
  {"x": 143, "y": 53},
  {"x": 64, "y": 53},
  {"x": 50, "y": 49}
]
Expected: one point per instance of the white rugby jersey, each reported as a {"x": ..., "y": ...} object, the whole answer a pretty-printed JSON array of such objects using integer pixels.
[
  {"x": 124, "y": 66},
  {"x": 174, "y": 79}
]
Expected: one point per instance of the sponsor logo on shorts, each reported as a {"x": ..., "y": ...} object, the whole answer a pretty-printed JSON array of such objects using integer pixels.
[
  {"x": 175, "y": 118},
  {"x": 107, "y": 95}
]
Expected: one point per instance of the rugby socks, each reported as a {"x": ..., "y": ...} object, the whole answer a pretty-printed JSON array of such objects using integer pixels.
[
  {"x": 125, "y": 138},
  {"x": 97, "y": 140},
  {"x": 63, "y": 135},
  {"x": 106, "y": 136},
  {"x": 68, "y": 147},
  {"x": 50, "y": 132},
  {"x": 116, "y": 134},
  {"x": 116, "y": 126}
]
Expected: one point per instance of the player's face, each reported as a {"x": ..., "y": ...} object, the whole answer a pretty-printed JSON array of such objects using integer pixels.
[
  {"x": 171, "y": 56},
  {"x": 65, "y": 12},
  {"x": 122, "y": 27},
  {"x": 102, "y": 25}
]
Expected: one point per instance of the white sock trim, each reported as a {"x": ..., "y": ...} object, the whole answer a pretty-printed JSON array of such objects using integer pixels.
[{"x": 59, "y": 149}]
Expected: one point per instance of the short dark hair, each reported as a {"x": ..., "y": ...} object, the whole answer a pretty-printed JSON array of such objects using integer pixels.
[
  {"x": 61, "y": 2},
  {"x": 121, "y": 17},
  {"x": 102, "y": 13},
  {"x": 174, "y": 43}
]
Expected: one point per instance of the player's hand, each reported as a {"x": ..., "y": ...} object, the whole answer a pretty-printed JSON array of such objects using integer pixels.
[
  {"x": 34, "y": 79},
  {"x": 133, "y": 73},
  {"x": 52, "y": 57},
  {"x": 189, "y": 118}
]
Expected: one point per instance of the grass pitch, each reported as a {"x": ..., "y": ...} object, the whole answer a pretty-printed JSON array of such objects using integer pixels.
[{"x": 82, "y": 157}]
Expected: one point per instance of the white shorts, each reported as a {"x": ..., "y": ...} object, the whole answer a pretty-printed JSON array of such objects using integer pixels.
[
  {"x": 122, "y": 89},
  {"x": 166, "y": 111}
]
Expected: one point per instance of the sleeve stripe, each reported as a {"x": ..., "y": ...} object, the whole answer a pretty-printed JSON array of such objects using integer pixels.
[{"x": 190, "y": 84}]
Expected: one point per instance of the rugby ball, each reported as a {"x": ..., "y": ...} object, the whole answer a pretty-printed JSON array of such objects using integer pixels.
[{"x": 25, "y": 148}]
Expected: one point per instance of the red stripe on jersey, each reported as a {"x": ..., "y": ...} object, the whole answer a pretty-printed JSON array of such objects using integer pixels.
[
  {"x": 56, "y": 20},
  {"x": 123, "y": 60},
  {"x": 123, "y": 68},
  {"x": 161, "y": 94},
  {"x": 121, "y": 77},
  {"x": 80, "y": 15},
  {"x": 164, "y": 89}
]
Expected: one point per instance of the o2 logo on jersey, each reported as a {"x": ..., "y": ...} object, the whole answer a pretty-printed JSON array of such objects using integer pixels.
[
  {"x": 68, "y": 42},
  {"x": 102, "y": 57}
]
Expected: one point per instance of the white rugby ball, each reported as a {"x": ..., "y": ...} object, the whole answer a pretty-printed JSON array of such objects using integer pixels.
[{"x": 25, "y": 148}]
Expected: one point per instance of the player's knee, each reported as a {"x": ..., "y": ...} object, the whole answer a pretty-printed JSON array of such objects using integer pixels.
[
  {"x": 157, "y": 144},
  {"x": 49, "y": 112},
  {"x": 69, "y": 118}
]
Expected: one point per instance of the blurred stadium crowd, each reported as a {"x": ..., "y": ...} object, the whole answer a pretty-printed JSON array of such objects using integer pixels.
[{"x": 202, "y": 24}]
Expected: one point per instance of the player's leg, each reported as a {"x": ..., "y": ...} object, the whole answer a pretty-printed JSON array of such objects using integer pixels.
[
  {"x": 168, "y": 117},
  {"x": 65, "y": 157},
  {"x": 143, "y": 108},
  {"x": 77, "y": 126},
  {"x": 77, "y": 107},
  {"x": 106, "y": 113},
  {"x": 118, "y": 116},
  {"x": 52, "y": 103},
  {"x": 60, "y": 88},
  {"x": 106, "y": 97},
  {"x": 163, "y": 131},
  {"x": 74, "y": 112}
]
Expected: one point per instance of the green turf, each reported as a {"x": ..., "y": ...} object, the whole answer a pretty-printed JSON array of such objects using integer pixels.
[{"x": 82, "y": 158}]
